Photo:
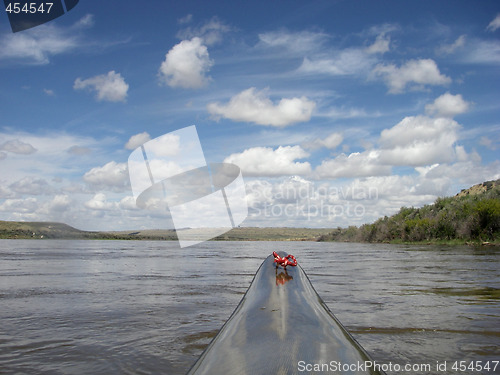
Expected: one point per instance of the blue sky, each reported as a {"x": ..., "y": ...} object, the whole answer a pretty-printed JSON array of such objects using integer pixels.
[{"x": 337, "y": 112}]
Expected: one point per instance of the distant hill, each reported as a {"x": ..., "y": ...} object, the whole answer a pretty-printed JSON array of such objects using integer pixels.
[
  {"x": 473, "y": 215},
  {"x": 49, "y": 230},
  {"x": 21, "y": 229},
  {"x": 52, "y": 230}
]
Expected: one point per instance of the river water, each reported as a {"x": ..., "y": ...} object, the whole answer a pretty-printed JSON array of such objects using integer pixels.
[{"x": 127, "y": 307}]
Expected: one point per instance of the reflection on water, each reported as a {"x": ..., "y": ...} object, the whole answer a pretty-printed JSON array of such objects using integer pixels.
[{"x": 100, "y": 307}]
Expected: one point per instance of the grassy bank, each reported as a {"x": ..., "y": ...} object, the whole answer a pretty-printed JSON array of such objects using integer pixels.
[{"x": 470, "y": 217}]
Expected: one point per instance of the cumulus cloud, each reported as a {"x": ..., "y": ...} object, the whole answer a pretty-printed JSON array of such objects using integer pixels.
[
  {"x": 98, "y": 202},
  {"x": 447, "y": 105},
  {"x": 265, "y": 161},
  {"x": 137, "y": 140},
  {"x": 108, "y": 87},
  {"x": 186, "y": 65},
  {"x": 128, "y": 203},
  {"x": 60, "y": 204},
  {"x": 420, "y": 72},
  {"x": 495, "y": 24},
  {"x": 19, "y": 207},
  {"x": 354, "y": 165},
  {"x": 111, "y": 176},
  {"x": 254, "y": 106},
  {"x": 18, "y": 147},
  {"x": 419, "y": 140},
  {"x": 31, "y": 186}
]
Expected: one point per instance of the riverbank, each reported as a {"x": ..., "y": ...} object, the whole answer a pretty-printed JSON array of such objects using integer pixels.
[
  {"x": 52, "y": 230},
  {"x": 472, "y": 217}
]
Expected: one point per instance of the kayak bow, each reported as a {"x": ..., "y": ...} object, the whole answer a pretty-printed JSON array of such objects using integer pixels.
[{"x": 282, "y": 326}]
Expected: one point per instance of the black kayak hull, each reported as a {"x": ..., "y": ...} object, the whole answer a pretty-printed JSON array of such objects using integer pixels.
[{"x": 282, "y": 326}]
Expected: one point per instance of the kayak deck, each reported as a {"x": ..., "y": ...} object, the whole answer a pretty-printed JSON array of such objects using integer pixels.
[{"x": 282, "y": 326}]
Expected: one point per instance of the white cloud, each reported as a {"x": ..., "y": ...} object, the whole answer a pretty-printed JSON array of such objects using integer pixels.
[
  {"x": 78, "y": 150},
  {"x": 447, "y": 105},
  {"x": 381, "y": 44},
  {"x": 19, "y": 206},
  {"x": 108, "y": 87},
  {"x": 331, "y": 142},
  {"x": 112, "y": 176},
  {"x": 450, "y": 48},
  {"x": 60, "y": 204},
  {"x": 18, "y": 147},
  {"x": 84, "y": 22},
  {"x": 467, "y": 172},
  {"x": 31, "y": 186},
  {"x": 128, "y": 203},
  {"x": 495, "y": 24},
  {"x": 298, "y": 42},
  {"x": 489, "y": 143},
  {"x": 421, "y": 72},
  {"x": 210, "y": 32},
  {"x": 186, "y": 65},
  {"x": 38, "y": 44},
  {"x": 98, "y": 202},
  {"x": 354, "y": 165},
  {"x": 186, "y": 19},
  {"x": 137, "y": 140},
  {"x": 264, "y": 161},
  {"x": 419, "y": 140},
  {"x": 58, "y": 155},
  {"x": 485, "y": 52},
  {"x": 254, "y": 106},
  {"x": 346, "y": 62}
]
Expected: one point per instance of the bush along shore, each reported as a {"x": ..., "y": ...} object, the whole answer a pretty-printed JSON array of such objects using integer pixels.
[{"x": 470, "y": 217}]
